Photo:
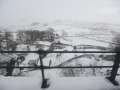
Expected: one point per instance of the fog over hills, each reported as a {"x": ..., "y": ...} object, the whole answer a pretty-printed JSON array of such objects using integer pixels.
[{"x": 21, "y": 11}]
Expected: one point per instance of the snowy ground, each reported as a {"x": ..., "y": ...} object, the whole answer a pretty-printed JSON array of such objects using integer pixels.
[{"x": 62, "y": 83}]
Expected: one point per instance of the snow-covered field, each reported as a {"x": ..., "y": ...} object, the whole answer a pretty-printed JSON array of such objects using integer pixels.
[{"x": 76, "y": 34}]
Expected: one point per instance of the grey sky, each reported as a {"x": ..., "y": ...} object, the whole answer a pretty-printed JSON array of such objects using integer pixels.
[{"x": 84, "y": 10}]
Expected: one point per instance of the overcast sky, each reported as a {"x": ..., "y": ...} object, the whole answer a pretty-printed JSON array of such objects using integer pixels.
[{"x": 84, "y": 10}]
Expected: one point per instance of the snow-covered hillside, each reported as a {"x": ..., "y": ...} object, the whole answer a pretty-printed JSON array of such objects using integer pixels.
[
  {"x": 85, "y": 36},
  {"x": 40, "y": 24}
]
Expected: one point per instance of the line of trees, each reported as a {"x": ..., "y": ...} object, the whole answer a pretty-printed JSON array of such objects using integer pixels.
[
  {"x": 31, "y": 36},
  {"x": 6, "y": 41}
]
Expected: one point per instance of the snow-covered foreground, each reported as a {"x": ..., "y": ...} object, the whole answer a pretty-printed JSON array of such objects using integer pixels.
[{"x": 62, "y": 83}]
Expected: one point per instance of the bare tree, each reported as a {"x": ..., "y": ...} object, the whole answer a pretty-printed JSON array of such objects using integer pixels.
[
  {"x": 21, "y": 35},
  {"x": 1, "y": 40},
  {"x": 42, "y": 35},
  {"x": 33, "y": 35},
  {"x": 50, "y": 34},
  {"x": 64, "y": 34},
  {"x": 116, "y": 42},
  {"x": 8, "y": 37}
]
